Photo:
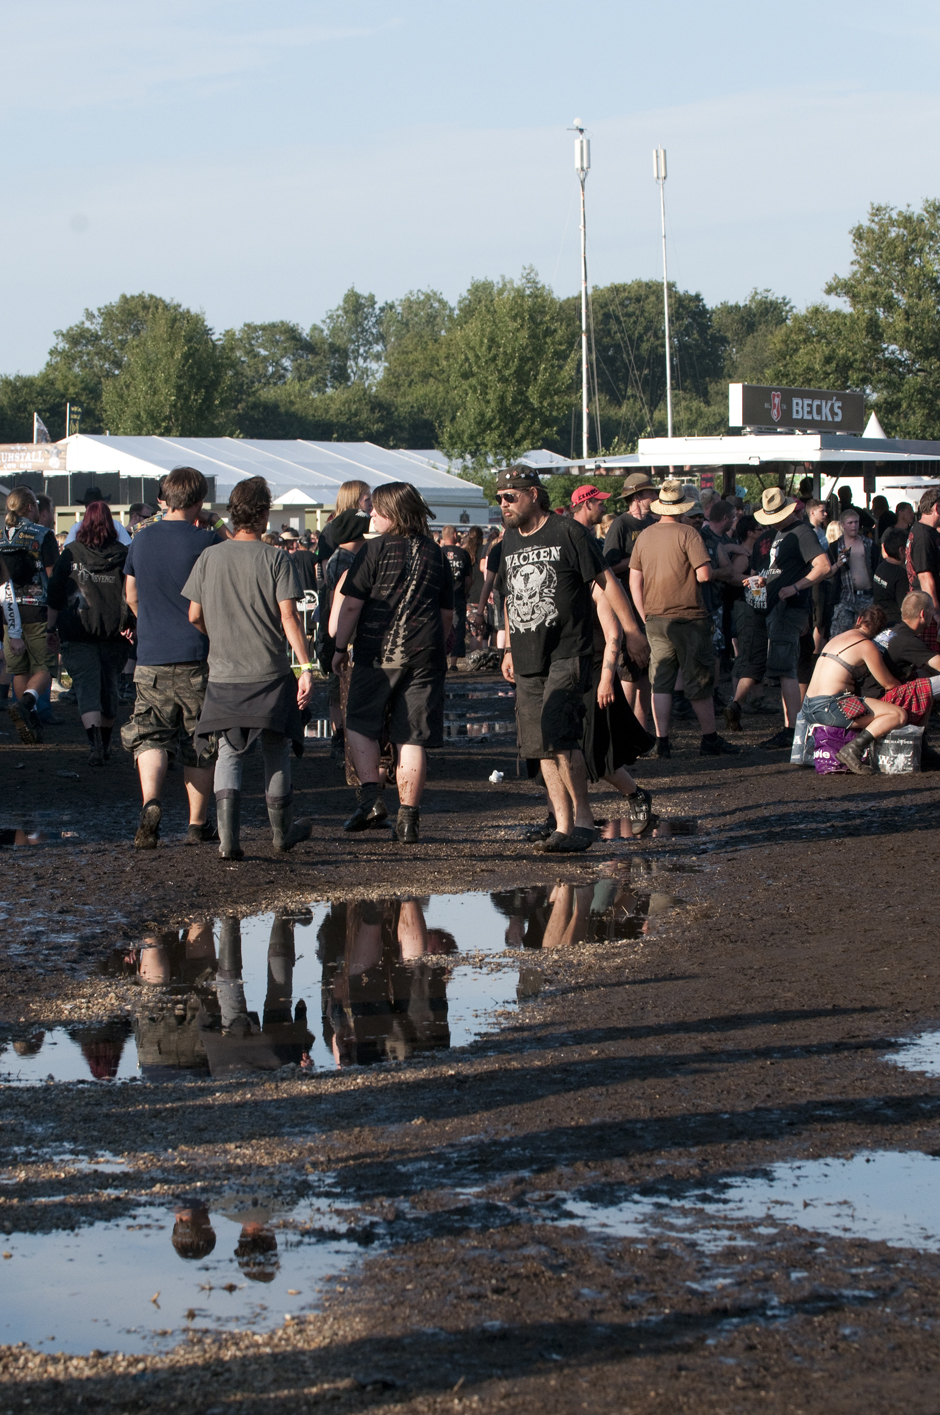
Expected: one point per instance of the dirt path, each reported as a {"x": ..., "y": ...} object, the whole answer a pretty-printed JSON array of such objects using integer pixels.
[{"x": 753, "y": 1027}]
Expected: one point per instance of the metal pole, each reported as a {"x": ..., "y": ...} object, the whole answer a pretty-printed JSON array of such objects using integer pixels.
[
  {"x": 584, "y": 329},
  {"x": 659, "y": 168},
  {"x": 68, "y": 418}
]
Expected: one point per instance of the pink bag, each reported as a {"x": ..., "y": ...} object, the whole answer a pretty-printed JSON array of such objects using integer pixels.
[{"x": 828, "y": 742}]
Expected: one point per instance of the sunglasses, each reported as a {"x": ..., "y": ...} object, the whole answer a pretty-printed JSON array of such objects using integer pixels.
[{"x": 508, "y": 496}]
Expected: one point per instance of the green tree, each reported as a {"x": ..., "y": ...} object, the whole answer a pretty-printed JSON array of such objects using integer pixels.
[
  {"x": 354, "y": 328},
  {"x": 507, "y": 364},
  {"x": 413, "y": 379},
  {"x": 86, "y": 355},
  {"x": 888, "y": 340},
  {"x": 269, "y": 355},
  {"x": 22, "y": 395},
  {"x": 175, "y": 380},
  {"x": 749, "y": 330}
]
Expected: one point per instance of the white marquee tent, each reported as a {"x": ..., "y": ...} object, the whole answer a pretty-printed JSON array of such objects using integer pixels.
[{"x": 293, "y": 469}]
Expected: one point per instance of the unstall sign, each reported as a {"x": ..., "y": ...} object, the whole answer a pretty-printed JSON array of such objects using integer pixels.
[{"x": 806, "y": 409}]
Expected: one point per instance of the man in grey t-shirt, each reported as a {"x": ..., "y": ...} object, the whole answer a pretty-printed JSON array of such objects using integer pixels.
[{"x": 244, "y": 601}]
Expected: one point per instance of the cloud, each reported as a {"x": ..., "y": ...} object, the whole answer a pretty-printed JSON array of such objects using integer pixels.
[
  {"x": 763, "y": 188},
  {"x": 105, "y": 54}
]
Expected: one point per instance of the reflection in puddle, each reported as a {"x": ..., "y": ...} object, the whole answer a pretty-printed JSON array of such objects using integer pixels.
[
  {"x": 918, "y": 1054},
  {"x": 393, "y": 978},
  {"x": 141, "y": 1283},
  {"x": 881, "y": 1196}
]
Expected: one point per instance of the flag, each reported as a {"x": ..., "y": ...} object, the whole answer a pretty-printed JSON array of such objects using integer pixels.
[{"x": 40, "y": 431}]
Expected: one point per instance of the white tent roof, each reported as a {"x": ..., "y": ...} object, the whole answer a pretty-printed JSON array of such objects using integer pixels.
[{"x": 315, "y": 469}]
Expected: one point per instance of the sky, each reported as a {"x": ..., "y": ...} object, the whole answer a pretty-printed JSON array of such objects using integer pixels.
[{"x": 253, "y": 160}]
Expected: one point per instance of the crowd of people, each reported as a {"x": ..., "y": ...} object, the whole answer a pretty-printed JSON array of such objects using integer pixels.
[{"x": 608, "y": 628}]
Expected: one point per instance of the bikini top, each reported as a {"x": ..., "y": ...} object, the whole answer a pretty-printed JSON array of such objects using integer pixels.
[{"x": 856, "y": 671}]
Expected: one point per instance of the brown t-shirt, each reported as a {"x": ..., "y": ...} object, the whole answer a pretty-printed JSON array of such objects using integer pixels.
[{"x": 668, "y": 555}]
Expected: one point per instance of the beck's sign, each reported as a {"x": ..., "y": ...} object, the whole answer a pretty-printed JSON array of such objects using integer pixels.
[{"x": 809, "y": 409}]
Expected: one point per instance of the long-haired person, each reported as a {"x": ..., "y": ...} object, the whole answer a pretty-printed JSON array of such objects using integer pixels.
[
  {"x": 398, "y": 601},
  {"x": 30, "y": 552},
  {"x": 87, "y": 606}
]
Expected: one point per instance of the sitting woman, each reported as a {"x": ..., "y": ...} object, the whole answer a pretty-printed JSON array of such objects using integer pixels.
[{"x": 832, "y": 698}]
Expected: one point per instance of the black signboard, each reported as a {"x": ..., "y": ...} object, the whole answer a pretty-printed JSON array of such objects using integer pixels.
[{"x": 809, "y": 409}]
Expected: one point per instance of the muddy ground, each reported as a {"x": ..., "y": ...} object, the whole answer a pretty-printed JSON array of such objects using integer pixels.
[{"x": 752, "y": 1026}]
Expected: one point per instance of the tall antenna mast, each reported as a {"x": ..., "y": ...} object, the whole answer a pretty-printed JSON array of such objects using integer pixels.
[
  {"x": 582, "y": 162},
  {"x": 659, "y": 172}
]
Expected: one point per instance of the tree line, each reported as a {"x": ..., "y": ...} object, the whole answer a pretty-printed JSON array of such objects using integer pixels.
[{"x": 499, "y": 372}]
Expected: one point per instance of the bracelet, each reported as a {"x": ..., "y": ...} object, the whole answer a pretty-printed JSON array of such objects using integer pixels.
[{"x": 343, "y": 650}]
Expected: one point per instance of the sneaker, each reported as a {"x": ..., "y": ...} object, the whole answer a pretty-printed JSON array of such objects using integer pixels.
[
  {"x": 663, "y": 748},
  {"x": 717, "y": 747},
  {"x": 781, "y": 741},
  {"x": 148, "y": 827},
  {"x": 201, "y": 834},
  {"x": 26, "y": 721},
  {"x": 733, "y": 716}
]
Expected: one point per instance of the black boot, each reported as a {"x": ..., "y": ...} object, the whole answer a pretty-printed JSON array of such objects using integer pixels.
[
  {"x": 95, "y": 746},
  {"x": 286, "y": 831},
  {"x": 228, "y": 810},
  {"x": 106, "y": 742},
  {"x": 406, "y": 827},
  {"x": 852, "y": 753},
  {"x": 370, "y": 809},
  {"x": 148, "y": 826}
]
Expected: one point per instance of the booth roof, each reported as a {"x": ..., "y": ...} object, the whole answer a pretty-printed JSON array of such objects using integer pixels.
[{"x": 315, "y": 468}]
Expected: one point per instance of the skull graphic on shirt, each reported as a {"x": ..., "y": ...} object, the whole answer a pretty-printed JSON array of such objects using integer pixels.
[{"x": 532, "y": 595}]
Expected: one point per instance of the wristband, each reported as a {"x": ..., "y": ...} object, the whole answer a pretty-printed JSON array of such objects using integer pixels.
[
  {"x": 343, "y": 650},
  {"x": 306, "y": 667},
  {"x": 219, "y": 524}
]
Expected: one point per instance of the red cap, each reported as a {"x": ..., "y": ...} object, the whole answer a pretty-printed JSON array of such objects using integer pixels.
[{"x": 588, "y": 493}]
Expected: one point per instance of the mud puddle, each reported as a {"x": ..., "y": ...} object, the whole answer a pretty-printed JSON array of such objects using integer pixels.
[
  {"x": 878, "y": 1195},
  {"x": 339, "y": 984},
  {"x": 140, "y": 1284},
  {"x": 920, "y": 1053}
]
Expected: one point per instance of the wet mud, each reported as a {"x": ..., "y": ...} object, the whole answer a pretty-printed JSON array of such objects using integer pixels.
[{"x": 650, "y": 1128}]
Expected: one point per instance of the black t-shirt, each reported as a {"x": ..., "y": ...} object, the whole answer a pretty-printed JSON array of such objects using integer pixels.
[
  {"x": 890, "y": 588},
  {"x": 907, "y": 654},
  {"x": 546, "y": 578},
  {"x": 925, "y": 550},
  {"x": 494, "y": 558},
  {"x": 793, "y": 553},
  {"x": 621, "y": 537},
  {"x": 405, "y": 583},
  {"x": 305, "y": 568},
  {"x": 460, "y": 566}
]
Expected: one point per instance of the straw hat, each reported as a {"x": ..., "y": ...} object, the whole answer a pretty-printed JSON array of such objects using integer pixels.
[
  {"x": 775, "y": 506},
  {"x": 671, "y": 500}
]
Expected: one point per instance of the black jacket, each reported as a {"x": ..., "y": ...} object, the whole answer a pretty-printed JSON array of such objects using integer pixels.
[{"x": 87, "y": 588}]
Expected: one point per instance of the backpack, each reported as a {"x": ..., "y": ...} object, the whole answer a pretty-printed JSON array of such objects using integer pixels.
[{"x": 21, "y": 548}]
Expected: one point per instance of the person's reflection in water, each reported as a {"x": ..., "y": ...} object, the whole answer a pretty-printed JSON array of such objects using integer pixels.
[
  {"x": 386, "y": 999},
  {"x": 237, "y": 1040},
  {"x": 193, "y": 1236},
  {"x": 29, "y": 1046},
  {"x": 102, "y": 1046},
  {"x": 256, "y": 1253},
  {"x": 168, "y": 1029},
  {"x": 569, "y": 914},
  {"x": 527, "y": 912}
]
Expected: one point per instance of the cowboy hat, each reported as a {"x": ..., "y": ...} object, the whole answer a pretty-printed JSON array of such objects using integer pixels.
[
  {"x": 635, "y": 483},
  {"x": 775, "y": 506},
  {"x": 671, "y": 501}
]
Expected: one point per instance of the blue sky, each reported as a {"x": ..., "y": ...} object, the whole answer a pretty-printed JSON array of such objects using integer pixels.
[{"x": 253, "y": 159}]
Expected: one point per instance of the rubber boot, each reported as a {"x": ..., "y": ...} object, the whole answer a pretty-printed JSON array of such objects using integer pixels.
[
  {"x": 95, "y": 746},
  {"x": 106, "y": 742},
  {"x": 286, "y": 831},
  {"x": 370, "y": 809},
  {"x": 406, "y": 827},
  {"x": 852, "y": 753},
  {"x": 228, "y": 810}
]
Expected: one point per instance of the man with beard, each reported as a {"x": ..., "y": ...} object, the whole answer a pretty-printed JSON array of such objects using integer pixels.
[{"x": 549, "y": 565}]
